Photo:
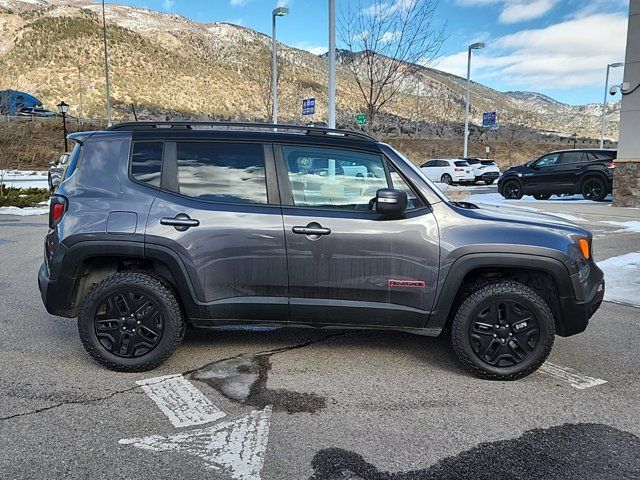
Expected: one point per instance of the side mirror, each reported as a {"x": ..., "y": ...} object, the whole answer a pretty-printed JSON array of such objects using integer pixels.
[
  {"x": 534, "y": 166},
  {"x": 390, "y": 201}
]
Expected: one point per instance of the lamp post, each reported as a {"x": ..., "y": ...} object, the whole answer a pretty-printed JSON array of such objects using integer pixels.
[
  {"x": 278, "y": 12},
  {"x": 106, "y": 65},
  {"x": 332, "y": 64},
  {"x": 473, "y": 46},
  {"x": 63, "y": 108},
  {"x": 604, "y": 103}
]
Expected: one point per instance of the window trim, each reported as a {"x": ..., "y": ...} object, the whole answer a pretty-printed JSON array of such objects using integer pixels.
[{"x": 269, "y": 172}]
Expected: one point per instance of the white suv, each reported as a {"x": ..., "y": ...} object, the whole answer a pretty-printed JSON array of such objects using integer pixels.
[
  {"x": 448, "y": 170},
  {"x": 485, "y": 169}
]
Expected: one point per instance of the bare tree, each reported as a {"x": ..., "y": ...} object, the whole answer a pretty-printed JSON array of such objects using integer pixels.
[
  {"x": 387, "y": 42},
  {"x": 513, "y": 138}
]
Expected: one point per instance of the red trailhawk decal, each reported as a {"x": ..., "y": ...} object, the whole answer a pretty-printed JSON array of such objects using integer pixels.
[{"x": 391, "y": 283}]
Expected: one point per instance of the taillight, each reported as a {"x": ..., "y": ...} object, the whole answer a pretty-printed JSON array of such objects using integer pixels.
[
  {"x": 612, "y": 165},
  {"x": 459, "y": 169},
  {"x": 57, "y": 209}
]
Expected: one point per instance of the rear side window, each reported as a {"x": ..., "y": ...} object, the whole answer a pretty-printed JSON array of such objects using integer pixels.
[
  {"x": 574, "y": 157},
  {"x": 222, "y": 172},
  {"x": 461, "y": 163},
  {"x": 146, "y": 162}
]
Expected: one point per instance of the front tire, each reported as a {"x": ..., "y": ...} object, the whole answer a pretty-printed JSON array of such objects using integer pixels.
[
  {"x": 502, "y": 331},
  {"x": 512, "y": 190},
  {"x": 130, "y": 322}
]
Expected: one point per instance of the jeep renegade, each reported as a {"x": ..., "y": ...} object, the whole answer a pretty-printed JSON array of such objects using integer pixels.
[{"x": 157, "y": 226}]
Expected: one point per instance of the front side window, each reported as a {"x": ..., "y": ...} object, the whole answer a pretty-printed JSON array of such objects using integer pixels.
[
  {"x": 222, "y": 172},
  {"x": 333, "y": 178},
  {"x": 547, "y": 160},
  {"x": 146, "y": 162}
]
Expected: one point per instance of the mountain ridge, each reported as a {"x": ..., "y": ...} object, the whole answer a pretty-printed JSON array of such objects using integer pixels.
[{"x": 169, "y": 66}]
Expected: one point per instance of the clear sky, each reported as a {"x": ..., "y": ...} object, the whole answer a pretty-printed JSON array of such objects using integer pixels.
[{"x": 557, "y": 47}]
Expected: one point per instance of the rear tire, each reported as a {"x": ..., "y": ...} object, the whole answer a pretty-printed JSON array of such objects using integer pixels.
[
  {"x": 593, "y": 189},
  {"x": 130, "y": 322},
  {"x": 502, "y": 331},
  {"x": 489, "y": 182},
  {"x": 446, "y": 178},
  {"x": 540, "y": 196}
]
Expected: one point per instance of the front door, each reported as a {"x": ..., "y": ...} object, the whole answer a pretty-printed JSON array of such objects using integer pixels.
[
  {"x": 217, "y": 214},
  {"x": 541, "y": 175},
  {"x": 347, "y": 264}
]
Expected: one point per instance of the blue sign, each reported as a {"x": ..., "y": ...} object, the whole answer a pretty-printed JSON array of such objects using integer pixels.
[
  {"x": 308, "y": 106},
  {"x": 489, "y": 119}
]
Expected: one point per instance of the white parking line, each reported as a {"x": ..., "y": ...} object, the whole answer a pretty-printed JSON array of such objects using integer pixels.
[
  {"x": 180, "y": 400},
  {"x": 571, "y": 376}
]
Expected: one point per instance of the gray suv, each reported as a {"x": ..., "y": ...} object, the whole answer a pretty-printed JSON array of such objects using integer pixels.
[{"x": 157, "y": 226}]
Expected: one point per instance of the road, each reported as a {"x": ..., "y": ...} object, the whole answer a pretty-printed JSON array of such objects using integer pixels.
[{"x": 305, "y": 404}]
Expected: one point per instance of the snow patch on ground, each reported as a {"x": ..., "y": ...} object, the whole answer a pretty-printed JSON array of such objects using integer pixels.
[
  {"x": 24, "y": 212},
  {"x": 632, "y": 226},
  {"x": 24, "y": 178},
  {"x": 622, "y": 278},
  {"x": 497, "y": 199}
]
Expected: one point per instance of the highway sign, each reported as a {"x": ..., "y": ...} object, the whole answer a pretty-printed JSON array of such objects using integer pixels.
[
  {"x": 489, "y": 119},
  {"x": 308, "y": 106},
  {"x": 361, "y": 119}
]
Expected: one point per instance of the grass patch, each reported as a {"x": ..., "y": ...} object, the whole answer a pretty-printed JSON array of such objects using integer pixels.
[{"x": 24, "y": 197}]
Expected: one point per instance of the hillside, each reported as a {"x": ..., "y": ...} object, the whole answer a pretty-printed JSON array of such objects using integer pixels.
[{"x": 170, "y": 66}]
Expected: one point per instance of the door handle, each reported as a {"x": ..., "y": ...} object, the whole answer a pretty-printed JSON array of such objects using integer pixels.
[
  {"x": 313, "y": 230},
  {"x": 180, "y": 222}
]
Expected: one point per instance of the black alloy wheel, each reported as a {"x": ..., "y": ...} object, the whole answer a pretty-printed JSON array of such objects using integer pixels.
[
  {"x": 512, "y": 190},
  {"x": 593, "y": 189},
  {"x": 504, "y": 333},
  {"x": 129, "y": 323}
]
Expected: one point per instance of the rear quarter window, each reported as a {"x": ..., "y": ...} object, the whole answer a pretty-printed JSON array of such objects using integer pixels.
[{"x": 146, "y": 162}]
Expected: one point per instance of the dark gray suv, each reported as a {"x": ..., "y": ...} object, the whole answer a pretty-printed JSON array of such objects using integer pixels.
[{"x": 157, "y": 226}]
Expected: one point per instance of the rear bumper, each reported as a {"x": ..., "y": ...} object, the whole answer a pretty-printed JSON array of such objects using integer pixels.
[
  {"x": 55, "y": 294},
  {"x": 463, "y": 177},
  {"x": 576, "y": 311}
]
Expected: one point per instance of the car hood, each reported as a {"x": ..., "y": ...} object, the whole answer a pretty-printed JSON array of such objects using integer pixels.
[{"x": 522, "y": 215}]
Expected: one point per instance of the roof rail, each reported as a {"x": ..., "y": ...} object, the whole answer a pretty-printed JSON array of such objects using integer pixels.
[{"x": 308, "y": 130}]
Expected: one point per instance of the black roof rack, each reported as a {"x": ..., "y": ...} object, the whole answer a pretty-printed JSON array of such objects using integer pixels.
[{"x": 242, "y": 125}]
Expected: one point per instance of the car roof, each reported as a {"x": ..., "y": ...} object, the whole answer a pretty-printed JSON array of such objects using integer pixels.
[{"x": 608, "y": 150}]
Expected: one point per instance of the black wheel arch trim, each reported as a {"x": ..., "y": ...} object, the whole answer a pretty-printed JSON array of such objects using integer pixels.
[{"x": 472, "y": 261}]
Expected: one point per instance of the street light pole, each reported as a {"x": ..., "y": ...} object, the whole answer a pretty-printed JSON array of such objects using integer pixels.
[
  {"x": 106, "y": 65},
  {"x": 604, "y": 102},
  {"x": 332, "y": 64},
  {"x": 63, "y": 108},
  {"x": 278, "y": 12},
  {"x": 473, "y": 46}
]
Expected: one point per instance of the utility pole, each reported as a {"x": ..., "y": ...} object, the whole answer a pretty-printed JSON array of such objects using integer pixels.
[
  {"x": 106, "y": 65},
  {"x": 332, "y": 64},
  {"x": 80, "y": 95},
  {"x": 473, "y": 46}
]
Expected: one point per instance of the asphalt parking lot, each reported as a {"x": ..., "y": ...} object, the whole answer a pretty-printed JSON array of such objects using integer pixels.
[{"x": 306, "y": 404}]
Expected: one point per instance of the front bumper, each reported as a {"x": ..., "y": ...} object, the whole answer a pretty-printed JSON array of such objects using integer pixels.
[
  {"x": 578, "y": 309},
  {"x": 488, "y": 176}
]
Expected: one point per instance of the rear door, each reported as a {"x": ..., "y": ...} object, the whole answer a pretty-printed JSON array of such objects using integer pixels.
[
  {"x": 347, "y": 264},
  {"x": 567, "y": 170},
  {"x": 218, "y": 211}
]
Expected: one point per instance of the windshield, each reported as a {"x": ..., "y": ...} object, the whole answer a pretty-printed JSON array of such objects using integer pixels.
[{"x": 419, "y": 172}]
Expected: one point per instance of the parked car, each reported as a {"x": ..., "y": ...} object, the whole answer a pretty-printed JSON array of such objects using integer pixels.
[
  {"x": 155, "y": 228},
  {"x": 484, "y": 169},
  {"x": 35, "y": 112},
  {"x": 56, "y": 171},
  {"x": 448, "y": 170},
  {"x": 565, "y": 172}
]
